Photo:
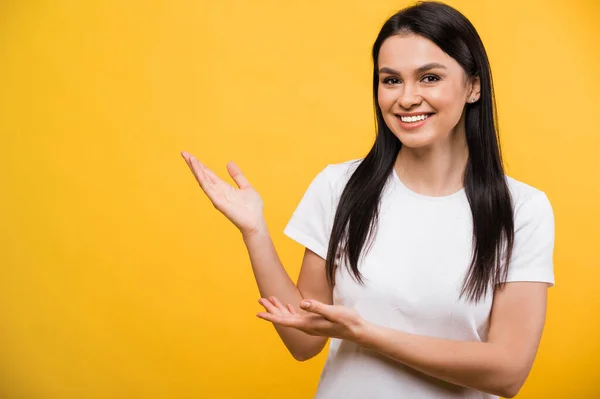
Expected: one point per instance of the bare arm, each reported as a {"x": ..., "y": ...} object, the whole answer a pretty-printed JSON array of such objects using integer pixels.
[
  {"x": 274, "y": 283},
  {"x": 499, "y": 366},
  {"x": 243, "y": 207}
]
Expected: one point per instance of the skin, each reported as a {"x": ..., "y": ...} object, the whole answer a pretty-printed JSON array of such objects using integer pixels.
[
  {"x": 431, "y": 162},
  {"x": 433, "y": 157}
]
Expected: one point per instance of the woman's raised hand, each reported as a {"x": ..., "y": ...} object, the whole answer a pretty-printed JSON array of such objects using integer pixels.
[{"x": 242, "y": 206}]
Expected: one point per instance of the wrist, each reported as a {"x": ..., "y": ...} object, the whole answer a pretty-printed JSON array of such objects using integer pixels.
[
  {"x": 260, "y": 230},
  {"x": 363, "y": 333}
]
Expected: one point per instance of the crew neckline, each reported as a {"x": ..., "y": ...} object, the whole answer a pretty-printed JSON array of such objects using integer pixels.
[{"x": 404, "y": 187}]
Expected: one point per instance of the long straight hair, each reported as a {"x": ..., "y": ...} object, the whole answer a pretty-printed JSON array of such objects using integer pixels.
[{"x": 487, "y": 191}]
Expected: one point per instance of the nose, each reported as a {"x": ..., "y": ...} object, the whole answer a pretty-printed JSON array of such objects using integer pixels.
[{"x": 409, "y": 96}]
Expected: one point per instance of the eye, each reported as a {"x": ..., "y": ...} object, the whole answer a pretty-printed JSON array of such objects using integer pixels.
[
  {"x": 390, "y": 80},
  {"x": 430, "y": 78}
]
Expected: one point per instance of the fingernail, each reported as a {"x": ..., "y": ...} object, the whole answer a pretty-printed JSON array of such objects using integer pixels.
[{"x": 305, "y": 304}]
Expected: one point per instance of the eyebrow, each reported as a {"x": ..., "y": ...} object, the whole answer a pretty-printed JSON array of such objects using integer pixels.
[{"x": 426, "y": 67}]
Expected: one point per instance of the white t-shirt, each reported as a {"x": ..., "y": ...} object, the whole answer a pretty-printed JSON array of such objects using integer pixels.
[{"x": 413, "y": 274}]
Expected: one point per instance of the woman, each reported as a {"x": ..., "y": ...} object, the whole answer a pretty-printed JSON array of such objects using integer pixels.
[{"x": 426, "y": 265}]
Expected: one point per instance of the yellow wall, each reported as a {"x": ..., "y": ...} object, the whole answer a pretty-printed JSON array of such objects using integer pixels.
[{"x": 117, "y": 277}]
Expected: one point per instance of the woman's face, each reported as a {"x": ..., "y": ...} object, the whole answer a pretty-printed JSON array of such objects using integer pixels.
[{"x": 417, "y": 78}]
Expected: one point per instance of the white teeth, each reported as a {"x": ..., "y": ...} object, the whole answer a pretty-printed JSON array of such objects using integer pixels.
[{"x": 414, "y": 118}]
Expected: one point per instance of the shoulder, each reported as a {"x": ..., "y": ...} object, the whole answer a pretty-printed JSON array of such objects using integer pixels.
[
  {"x": 338, "y": 174},
  {"x": 343, "y": 169},
  {"x": 328, "y": 184},
  {"x": 520, "y": 190},
  {"x": 529, "y": 203}
]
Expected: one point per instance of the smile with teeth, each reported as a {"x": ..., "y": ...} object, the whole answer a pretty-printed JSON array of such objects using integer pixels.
[{"x": 416, "y": 118}]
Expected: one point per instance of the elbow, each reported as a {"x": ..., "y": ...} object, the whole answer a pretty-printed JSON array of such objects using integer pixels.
[
  {"x": 306, "y": 353},
  {"x": 509, "y": 392},
  {"x": 308, "y": 350},
  {"x": 303, "y": 356},
  {"x": 506, "y": 377},
  {"x": 513, "y": 384},
  {"x": 503, "y": 389}
]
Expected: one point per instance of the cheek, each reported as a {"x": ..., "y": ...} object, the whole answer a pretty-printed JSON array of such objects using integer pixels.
[
  {"x": 448, "y": 102},
  {"x": 441, "y": 97},
  {"x": 385, "y": 99}
]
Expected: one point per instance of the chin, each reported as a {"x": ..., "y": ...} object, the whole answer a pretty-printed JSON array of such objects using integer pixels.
[
  {"x": 415, "y": 140},
  {"x": 415, "y": 144}
]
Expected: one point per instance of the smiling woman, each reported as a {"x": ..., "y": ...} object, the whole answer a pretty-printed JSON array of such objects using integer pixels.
[
  {"x": 415, "y": 83},
  {"x": 425, "y": 263}
]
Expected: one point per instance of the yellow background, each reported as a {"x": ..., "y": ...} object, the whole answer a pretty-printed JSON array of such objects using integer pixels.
[{"x": 118, "y": 279}]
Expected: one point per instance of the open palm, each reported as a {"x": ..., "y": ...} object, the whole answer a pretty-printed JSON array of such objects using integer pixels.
[{"x": 243, "y": 206}]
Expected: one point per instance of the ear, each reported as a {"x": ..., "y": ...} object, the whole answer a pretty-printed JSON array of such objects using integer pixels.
[{"x": 475, "y": 89}]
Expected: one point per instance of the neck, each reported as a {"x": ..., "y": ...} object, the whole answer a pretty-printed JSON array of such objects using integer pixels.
[{"x": 435, "y": 170}]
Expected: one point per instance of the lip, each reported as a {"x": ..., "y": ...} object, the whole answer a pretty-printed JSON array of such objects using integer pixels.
[
  {"x": 414, "y": 113},
  {"x": 413, "y": 125}
]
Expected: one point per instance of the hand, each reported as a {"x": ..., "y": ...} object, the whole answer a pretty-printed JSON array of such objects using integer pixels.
[
  {"x": 242, "y": 206},
  {"x": 315, "y": 318}
]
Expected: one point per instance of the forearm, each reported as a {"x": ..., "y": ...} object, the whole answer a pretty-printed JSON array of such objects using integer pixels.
[
  {"x": 273, "y": 280},
  {"x": 478, "y": 365}
]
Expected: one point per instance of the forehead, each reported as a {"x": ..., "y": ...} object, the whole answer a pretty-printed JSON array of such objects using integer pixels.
[{"x": 408, "y": 52}]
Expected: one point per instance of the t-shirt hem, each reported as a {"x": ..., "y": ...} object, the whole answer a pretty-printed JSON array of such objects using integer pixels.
[{"x": 540, "y": 277}]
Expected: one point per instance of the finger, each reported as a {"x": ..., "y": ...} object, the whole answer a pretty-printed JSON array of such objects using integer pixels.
[
  {"x": 213, "y": 176},
  {"x": 323, "y": 324},
  {"x": 188, "y": 159},
  {"x": 309, "y": 324},
  {"x": 318, "y": 308},
  {"x": 285, "y": 320},
  {"x": 277, "y": 319},
  {"x": 236, "y": 174},
  {"x": 196, "y": 167},
  {"x": 186, "y": 156},
  {"x": 279, "y": 305},
  {"x": 268, "y": 317},
  {"x": 207, "y": 185},
  {"x": 296, "y": 311},
  {"x": 203, "y": 171},
  {"x": 269, "y": 306},
  {"x": 210, "y": 183}
]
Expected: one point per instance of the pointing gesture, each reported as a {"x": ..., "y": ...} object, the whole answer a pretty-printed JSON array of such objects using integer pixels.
[{"x": 243, "y": 206}]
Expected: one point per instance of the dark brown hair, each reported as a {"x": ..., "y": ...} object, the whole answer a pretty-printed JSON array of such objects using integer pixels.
[{"x": 485, "y": 184}]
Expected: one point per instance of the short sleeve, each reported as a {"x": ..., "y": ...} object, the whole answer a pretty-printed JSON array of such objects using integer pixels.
[
  {"x": 310, "y": 224},
  {"x": 532, "y": 256}
]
